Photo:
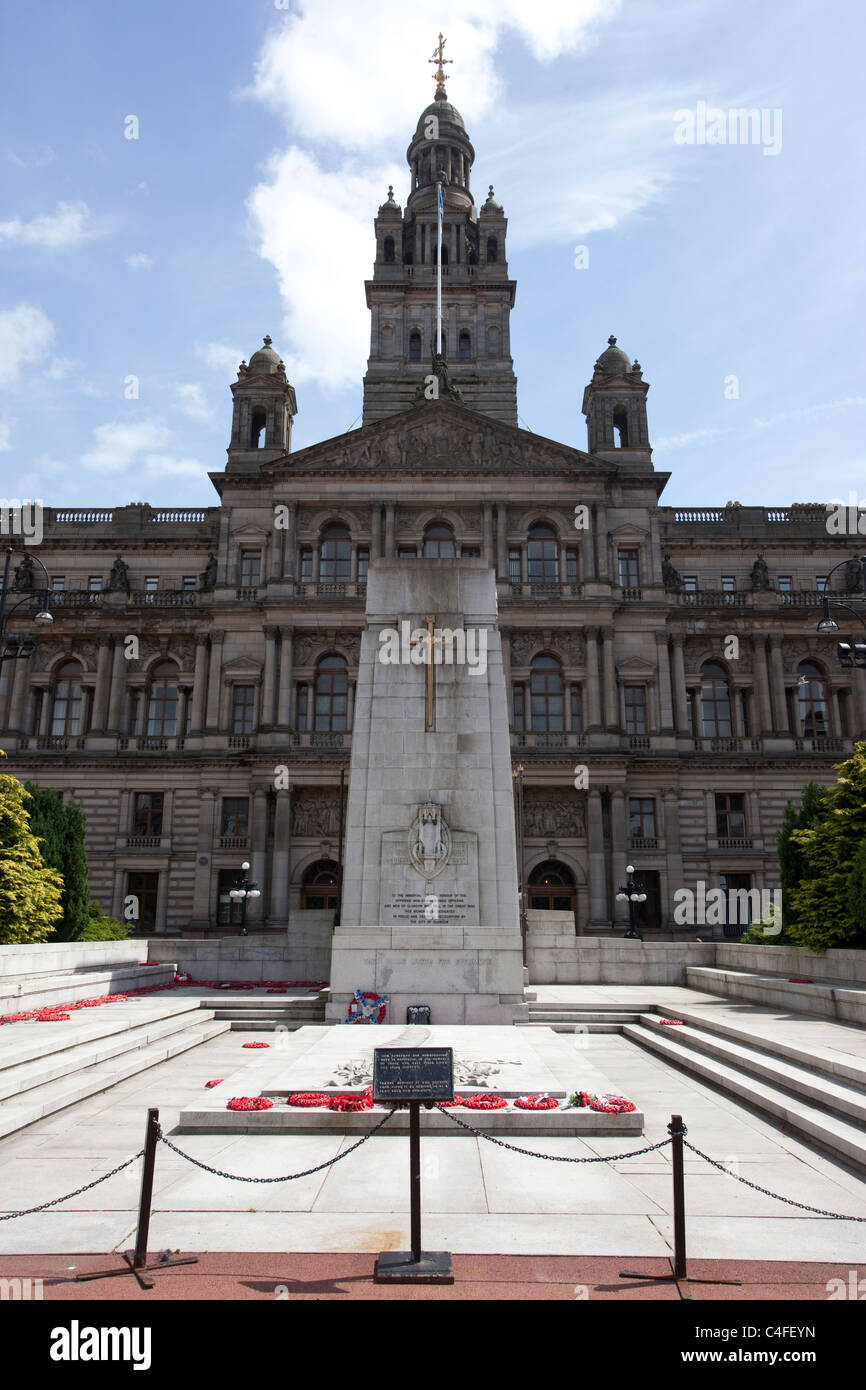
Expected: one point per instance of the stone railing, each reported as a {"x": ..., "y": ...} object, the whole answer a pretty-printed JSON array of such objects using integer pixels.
[
  {"x": 566, "y": 739},
  {"x": 313, "y": 739},
  {"x": 735, "y": 842}
]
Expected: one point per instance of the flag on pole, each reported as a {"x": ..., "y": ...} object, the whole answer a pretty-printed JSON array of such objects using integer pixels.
[{"x": 441, "y": 205}]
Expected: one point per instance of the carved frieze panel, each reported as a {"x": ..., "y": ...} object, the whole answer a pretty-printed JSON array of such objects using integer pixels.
[
  {"x": 555, "y": 812},
  {"x": 316, "y": 811}
]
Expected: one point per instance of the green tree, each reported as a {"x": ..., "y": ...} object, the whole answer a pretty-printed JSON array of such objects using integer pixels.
[
  {"x": 29, "y": 890},
  {"x": 60, "y": 828},
  {"x": 101, "y": 927},
  {"x": 828, "y": 898}
]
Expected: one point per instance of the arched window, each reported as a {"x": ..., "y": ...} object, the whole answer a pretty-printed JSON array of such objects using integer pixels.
[
  {"x": 494, "y": 341},
  {"x": 620, "y": 428},
  {"x": 68, "y": 703},
  {"x": 162, "y": 701},
  {"x": 551, "y": 888},
  {"x": 258, "y": 429},
  {"x": 812, "y": 694},
  {"x": 389, "y": 250},
  {"x": 465, "y": 347},
  {"x": 543, "y": 555},
  {"x": 414, "y": 347},
  {"x": 715, "y": 701},
  {"x": 321, "y": 887},
  {"x": 332, "y": 695},
  {"x": 545, "y": 689},
  {"x": 335, "y": 555},
  {"x": 439, "y": 542},
  {"x": 492, "y": 249}
]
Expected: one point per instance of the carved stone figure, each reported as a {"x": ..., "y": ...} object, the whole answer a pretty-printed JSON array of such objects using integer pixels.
[
  {"x": 25, "y": 576},
  {"x": 671, "y": 577},
  {"x": 760, "y": 574},
  {"x": 853, "y": 576},
  {"x": 207, "y": 578},
  {"x": 429, "y": 841},
  {"x": 118, "y": 580}
]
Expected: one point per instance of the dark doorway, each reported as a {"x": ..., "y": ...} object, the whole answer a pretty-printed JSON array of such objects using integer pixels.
[
  {"x": 320, "y": 890},
  {"x": 144, "y": 887},
  {"x": 648, "y": 914},
  {"x": 551, "y": 889}
]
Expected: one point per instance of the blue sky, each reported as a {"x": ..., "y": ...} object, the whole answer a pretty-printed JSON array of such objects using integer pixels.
[{"x": 267, "y": 137}]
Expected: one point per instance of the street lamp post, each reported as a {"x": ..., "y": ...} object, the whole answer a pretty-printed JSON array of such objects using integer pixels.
[
  {"x": 245, "y": 890},
  {"x": 632, "y": 894},
  {"x": 15, "y": 647},
  {"x": 848, "y": 654}
]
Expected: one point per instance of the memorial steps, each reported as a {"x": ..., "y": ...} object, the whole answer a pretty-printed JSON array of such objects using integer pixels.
[
  {"x": 45, "y": 1067},
  {"x": 818, "y": 1092},
  {"x": 564, "y": 1017},
  {"x": 263, "y": 1013}
]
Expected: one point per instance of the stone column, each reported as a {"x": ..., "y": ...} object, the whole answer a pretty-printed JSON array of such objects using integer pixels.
[
  {"x": 100, "y": 697},
  {"x": 593, "y": 692},
  {"x": 350, "y": 705},
  {"x": 673, "y": 854},
  {"x": 619, "y": 849},
  {"x": 762, "y": 685},
  {"x": 777, "y": 685},
  {"x": 859, "y": 705},
  {"x": 602, "y": 568},
  {"x": 280, "y": 865},
  {"x": 118, "y": 686},
  {"x": 679, "y": 682},
  {"x": 611, "y": 717},
  {"x": 214, "y": 681},
  {"x": 284, "y": 700},
  {"x": 666, "y": 720},
  {"x": 832, "y": 710},
  {"x": 501, "y": 540},
  {"x": 598, "y": 915},
  {"x": 753, "y": 821},
  {"x": 389, "y": 530},
  {"x": 20, "y": 685},
  {"x": 376, "y": 531},
  {"x": 258, "y": 845},
  {"x": 487, "y": 552},
  {"x": 277, "y": 562},
  {"x": 199, "y": 682},
  {"x": 737, "y": 728},
  {"x": 45, "y": 714},
  {"x": 588, "y": 548},
  {"x": 204, "y": 851},
  {"x": 290, "y": 546},
  {"x": 266, "y": 717}
]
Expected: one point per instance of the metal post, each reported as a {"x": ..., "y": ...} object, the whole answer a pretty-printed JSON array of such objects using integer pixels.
[
  {"x": 415, "y": 1178},
  {"x": 151, "y": 1138},
  {"x": 676, "y": 1131}
]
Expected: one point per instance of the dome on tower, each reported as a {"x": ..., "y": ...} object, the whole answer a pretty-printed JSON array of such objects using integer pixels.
[
  {"x": 613, "y": 361},
  {"x": 445, "y": 113},
  {"x": 265, "y": 362}
]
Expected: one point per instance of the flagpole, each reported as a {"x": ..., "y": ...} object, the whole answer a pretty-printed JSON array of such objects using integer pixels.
[{"x": 439, "y": 214}]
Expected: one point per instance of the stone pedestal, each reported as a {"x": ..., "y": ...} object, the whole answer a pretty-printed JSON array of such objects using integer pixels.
[{"x": 429, "y": 912}]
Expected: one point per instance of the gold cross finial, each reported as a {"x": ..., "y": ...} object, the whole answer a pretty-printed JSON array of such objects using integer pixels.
[{"x": 440, "y": 60}]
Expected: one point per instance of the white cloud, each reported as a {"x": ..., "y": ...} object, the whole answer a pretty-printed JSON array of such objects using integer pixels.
[
  {"x": 192, "y": 400},
  {"x": 25, "y": 337},
  {"x": 5, "y": 436},
  {"x": 166, "y": 465},
  {"x": 65, "y": 227},
  {"x": 42, "y": 156},
  {"x": 682, "y": 441},
  {"x": 808, "y": 412},
  {"x": 221, "y": 357},
  {"x": 139, "y": 261},
  {"x": 60, "y": 368},
  {"x": 117, "y": 445}
]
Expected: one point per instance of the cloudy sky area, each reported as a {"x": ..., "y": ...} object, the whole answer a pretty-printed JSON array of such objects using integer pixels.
[{"x": 267, "y": 136}]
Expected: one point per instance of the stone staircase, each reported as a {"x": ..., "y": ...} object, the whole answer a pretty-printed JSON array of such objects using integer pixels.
[
  {"x": 261, "y": 1012},
  {"x": 838, "y": 999},
  {"x": 565, "y": 1018},
  {"x": 818, "y": 1092},
  {"x": 46, "y": 1067}
]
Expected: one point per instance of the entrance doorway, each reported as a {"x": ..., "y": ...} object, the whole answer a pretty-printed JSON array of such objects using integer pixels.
[
  {"x": 648, "y": 914},
  {"x": 320, "y": 890},
  {"x": 144, "y": 887},
  {"x": 551, "y": 889}
]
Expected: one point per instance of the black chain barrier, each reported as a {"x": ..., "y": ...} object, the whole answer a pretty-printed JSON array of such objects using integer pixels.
[
  {"x": 287, "y": 1177},
  {"x": 7, "y": 1216},
  {"x": 552, "y": 1158},
  {"x": 803, "y": 1206}
]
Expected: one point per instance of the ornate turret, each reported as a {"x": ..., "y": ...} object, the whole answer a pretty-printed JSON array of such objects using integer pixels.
[
  {"x": 264, "y": 406},
  {"x": 614, "y": 404}
]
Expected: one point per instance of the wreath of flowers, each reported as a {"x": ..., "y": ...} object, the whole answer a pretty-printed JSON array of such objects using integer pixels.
[
  {"x": 613, "y": 1105},
  {"x": 447, "y": 1104},
  {"x": 581, "y": 1100},
  {"x": 218, "y": 1082},
  {"x": 536, "y": 1103},
  {"x": 799, "y": 980},
  {"x": 308, "y": 1098},
  {"x": 364, "y": 1101},
  {"x": 485, "y": 1102},
  {"x": 672, "y": 1022},
  {"x": 249, "y": 1103},
  {"x": 255, "y": 1044},
  {"x": 357, "y": 1013}
]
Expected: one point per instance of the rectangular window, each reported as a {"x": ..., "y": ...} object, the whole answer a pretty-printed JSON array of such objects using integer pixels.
[
  {"x": 470, "y": 552},
  {"x": 251, "y": 565},
  {"x": 575, "y": 710},
  {"x": 363, "y": 563},
  {"x": 243, "y": 704},
  {"x": 229, "y": 912},
  {"x": 144, "y": 888},
  {"x": 729, "y": 584},
  {"x": 235, "y": 815},
  {"x": 151, "y": 583},
  {"x": 94, "y": 583},
  {"x": 571, "y": 566},
  {"x": 147, "y": 813},
  {"x": 629, "y": 575},
  {"x": 820, "y": 582},
  {"x": 514, "y": 566},
  {"x": 301, "y": 711},
  {"x": 635, "y": 709},
  {"x": 642, "y": 817},
  {"x": 519, "y": 716},
  {"x": 785, "y": 583},
  {"x": 189, "y": 583},
  {"x": 690, "y": 583},
  {"x": 306, "y": 564},
  {"x": 744, "y": 712},
  {"x": 730, "y": 815},
  {"x": 407, "y": 552},
  {"x": 58, "y": 583}
]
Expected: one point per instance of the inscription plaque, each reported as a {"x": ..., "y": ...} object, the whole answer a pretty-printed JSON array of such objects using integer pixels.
[{"x": 413, "y": 1073}]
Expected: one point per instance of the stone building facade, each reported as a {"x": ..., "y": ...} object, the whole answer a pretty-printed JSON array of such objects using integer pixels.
[{"x": 195, "y": 692}]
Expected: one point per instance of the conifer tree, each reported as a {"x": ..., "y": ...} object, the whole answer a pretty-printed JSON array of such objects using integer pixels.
[
  {"x": 828, "y": 901},
  {"x": 29, "y": 890}
]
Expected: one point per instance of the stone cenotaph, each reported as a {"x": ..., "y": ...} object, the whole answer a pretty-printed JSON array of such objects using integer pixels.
[{"x": 429, "y": 910}]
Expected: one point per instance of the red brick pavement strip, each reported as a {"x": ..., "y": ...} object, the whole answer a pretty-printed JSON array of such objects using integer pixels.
[{"x": 250, "y": 1276}]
